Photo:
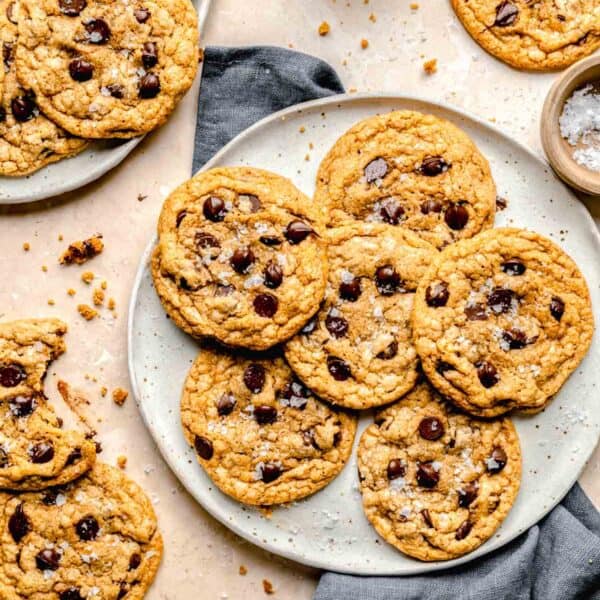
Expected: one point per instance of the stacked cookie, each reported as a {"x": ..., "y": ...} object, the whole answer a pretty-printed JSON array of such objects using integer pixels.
[
  {"x": 389, "y": 288},
  {"x": 70, "y": 527},
  {"x": 76, "y": 70}
]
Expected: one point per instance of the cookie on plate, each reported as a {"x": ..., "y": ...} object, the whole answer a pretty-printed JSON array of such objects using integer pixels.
[
  {"x": 541, "y": 35},
  {"x": 239, "y": 257},
  {"x": 501, "y": 321},
  {"x": 437, "y": 483},
  {"x": 94, "y": 538},
  {"x": 28, "y": 140},
  {"x": 107, "y": 69},
  {"x": 410, "y": 170},
  {"x": 260, "y": 434},
  {"x": 34, "y": 451},
  {"x": 357, "y": 351}
]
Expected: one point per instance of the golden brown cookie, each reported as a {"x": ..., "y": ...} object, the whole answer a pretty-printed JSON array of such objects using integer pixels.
[
  {"x": 501, "y": 321},
  {"x": 107, "y": 69},
  {"x": 94, "y": 538},
  {"x": 409, "y": 170},
  {"x": 28, "y": 140},
  {"x": 239, "y": 257},
  {"x": 260, "y": 434},
  {"x": 358, "y": 351},
  {"x": 541, "y": 35},
  {"x": 35, "y": 452},
  {"x": 436, "y": 483}
]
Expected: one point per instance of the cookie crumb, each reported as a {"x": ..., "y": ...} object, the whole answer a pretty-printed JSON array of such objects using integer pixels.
[
  {"x": 430, "y": 66},
  {"x": 104, "y": 285},
  {"x": 268, "y": 587},
  {"x": 44, "y": 268},
  {"x": 200, "y": 55},
  {"x": 119, "y": 395},
  {"x": 60, "y": 237},
  {"x": 111, "y": 304},
  {"x": 243, "y": 570},
  {"x": 121, "y": 461},
  {"x": 87, "y": 277},
  {"x": 307, "y": 157},
  {"x": 51, "y": 302},
  {"x": 141, "y": 197},
  {"x": 87, "y": 312},
  {"x": 26, "y": 246},
  {"x": 302, "y": 129},
  {"x": 501, "y": 203},
  {"x": 414, "y": 6},
  {"x": 98, "y": 297},
  {"x": 372, "y": 18},
  {"x": 103, "y": 391},
  {"x": 364, "y": 44},
  {"x": 81, "y": 251},
  {"x": 324, "y": 28},
  {"x": 71, "y": 292}
]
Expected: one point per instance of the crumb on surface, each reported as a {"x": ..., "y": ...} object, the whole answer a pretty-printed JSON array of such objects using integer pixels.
[
  {"x": 200, "y": 54},
  {"x": 307, "y": 157},
  {"x": 26, "y": 246},
  {"x": 119, "y": 395},
  {"x": 87, "y": 277},
  {"x": 268, "y": 587},
  {"x": 324, "y": 28},
  {"x": 302, "y": 129},
  {"x": 51, "y": 302},
  {"x": 81, "y": 251},
  {"x": 364, "y": 43},
  {"x": 98, "y": 297},
  {"x": 121, "y": 461},
  {"x": 414, "y": 6},
  {"x": 103, "y": 391},
  {"x": 372, "y": 18},
  {"x": 104, "y": 285},
  {"x": 243, "y": 570},
  {"x": 111, "y": 304},
  {"x": 141, "y": 197},
  {"x": 430, "y": 66},
  {"x": 71, "y": 292},
  {"x": 87, "y": 312},
  {"x": 44, "y": 268}
]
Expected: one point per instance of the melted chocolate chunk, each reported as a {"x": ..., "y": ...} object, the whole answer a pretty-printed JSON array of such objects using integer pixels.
[
  {"x": 149, "y": 86},
  {"x": 116, "y": 91},
  {"x": 23, "y": 108},
  {"x": 427, "y": 517},
  {"x": 224, "y": 290},
  {"x": 427, "y": 476},
  {"x": 516, "y": 338},
  {"x": 7, "y": 54},
  {"x": 98, "y": 31},
  {"x": 467, "y": 494},
  {"x": 22, "y": 406},
  {"x": 557, "y": 308},
  {"x": 437, "y": 294},
  {"x": 376, "y": 169},
  {"x": 214, "y": 209},
  {"x": 3, "y": 458},
  {"x": 391, "y": 211},
  {"x": 476, "y": 312},
  {"x": 270, "y": 240},
  {"x": 273, "y": 275},
  {"x": 295, "y": 394},
  {"x": 141, "y": 14},
  {"x": 226, "y": 404},
  {"x": 71, "y": 593},
  {"x": 254, "y": 377},
  {"x": 270, "y": 472},
  {"x": 149, "y": 55},
  {"x": 18, "y": 524},
  {"x": 338, "y": 368},
  {"x": 42, "y": 452},
  {"x": 71, "y": 8},
  {"x": 513, "y": 267},
  {"x": 336, "y": 325},
  {"x": 242, "y": 259},
  {"x": 87, "y": 528},
  {"x": 350, "y": 290},
  {"x": 48, "y": 559},
  {"x": 456, "y": 216},
  {"x": 297, "y": 231},
  {"x": 265, "y": 414},
  {"x": 74, "y": 456},
  {"x": 463, "y": 531},
  {"x": 265, "y": 305},
  {"x": 387, "y": 280},
  {"x": 433, "y": 165},
  {"x": 251, "y": 200},
  {"x": 206, "y": 240},
  {"x": 487, "y": 373},
  {"x": 389, "y": 352},
  {"x": 443, "y": 366},
  {"x": 506, "y": 14},
  {"x": 135, "y": 561},
  {"x": 81, "y": 70},
  {"x": 497, "y": 460},
  {"x": 431, "y": 206},
  {"x": 500, "y": 300},
  {"x": 204, "y": 447},
  {"x": 431, "y": 428},
  {"x": 12, "y": 374},
  {"x": 396, "y": 468}
]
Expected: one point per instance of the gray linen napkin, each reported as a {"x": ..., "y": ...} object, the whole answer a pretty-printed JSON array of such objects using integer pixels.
[{"x": 558, "y": 559}]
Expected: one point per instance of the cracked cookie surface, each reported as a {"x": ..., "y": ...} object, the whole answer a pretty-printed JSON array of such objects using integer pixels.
[
  {"x": 94, "y": 538},
  {"x": 239, "y": 257},
  {"x": 542, "y": 35},
  {"x": 437, "y": 483},
  {"x": 357, "y": 351},
  {"x": 409, "y": 170},
  {"x": 260, "y": 434},
  {"x": 28, "y": 140},
  {"x": 107, "y": 69},
  {"x": 501, "y": 321},
  {"x": 34, "y": 451}
]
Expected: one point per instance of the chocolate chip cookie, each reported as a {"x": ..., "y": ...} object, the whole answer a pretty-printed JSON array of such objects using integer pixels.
[
  {"x": 542, "y": 35},
  {"x": 240, "y": 257},
  {"x": 357, "y": 351},
  {"x": 436, "y": 483},
  {"x": 261, "y": 435},
  {"x": 34, "y": 451},
  {"x": 409, "y": 170},
  {"x": 28, "y": 140},
  {"x": 107, "y": 69},
  {"x": 501, "y": 321},
  {"x": 94, "y": 538}
]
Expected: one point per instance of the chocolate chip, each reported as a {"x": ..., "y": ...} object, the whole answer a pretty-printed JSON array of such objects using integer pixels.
[
  {"x": 50, "y": 496},
  {"x": 376, "y": 169},
  {"x": 427, "y": 476},
  {"x": 242, "y": 259},
  {"x": 7, "y": 54},
  {"x": 214, "y": 209},
  {"x": 71, "y": 593},
  {"x": 501, "y": 203},
  {"x": 273, "y": 275},
  {"x": 389, "y": 352},
  {"x": 350, "y": 290},
  {"x": 87, "y": 528},
  {"x": 141, "y": 14},
  {"x": 265, "y": 305},
  {"x": 297, "y": 231},
  {"x": 251, "y": 201},
  {"x": 487, "y": 373},
  {"x": 80, "y": 69},
  {"x": 515, "y": 338},
  {"x": 254, "y": 377},
  {"x": 204, "y": 447},
  {"x": 497, "y": 460},
  {"x": 116, "y": 90},
  {"x": 513, "y": 267},
  {"x": 387, "y": 280},
  {"x": 463, "y": 531},
  {"x": 337, "y": 326},
  {"x": 309, "y": 327},
  {"x": 476, "y": 312},
  {"x": 2, "y": 114},
  {"x": 456, "y": 216},
  {"x": 500, "y": 300},
  {"x": 427, "y": 517},
  {"x": 23, "y": 108},
  {"x": 3, "y": 458},
  {"x": 135, "y": 561},
  {"x": 269, "y": 240},
  {"x": 396, "y": 468},
  {"x": 431, "y": 206},
  {"x": 270, "y": 472},
  {"x": 443, "y": 366},
  {"x": 18, "y": 524},
  {"x": 71, "y": 8},
  {"x": 467, "y": 494},
  {"x": 506, "y": 14},
  {"x": 123, "y": 590},
  {"x": 557, "y": 308},
  {"x": 265, "y": 414},
  {"x": 22, "y": 406},
  {"x": 223, "y": 290},
  {"x": 391, "y": 211},
  {"x": 42, "y": 452},
  {"x": 149, "y": 86},
  {"x": 437, "y": 294},
  {"x": 433, "y": 165},
  {"x": 431, "y": 428},
  {"x": 149, "y": 55},
  {"x": 295, "y": 394},
  {"x": 48, "y": 559},
  {"x": 206, "y": 240},
  {"x": 12, "y": 374},
  {"x": 98, "y": 31},
  {"x": 226, "y": 404},
  {"x": 308, "y": 437},
  {"x": 74, "y": 456},
  {"x": 10, "y": 13},
  {"x": 338, "y": 368}
]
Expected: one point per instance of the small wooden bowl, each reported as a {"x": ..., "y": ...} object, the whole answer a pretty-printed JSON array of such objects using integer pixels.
[{"x": 557, "y": 149}]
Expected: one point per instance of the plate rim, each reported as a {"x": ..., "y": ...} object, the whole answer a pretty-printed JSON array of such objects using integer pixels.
[{"x": 420, "y": 567}]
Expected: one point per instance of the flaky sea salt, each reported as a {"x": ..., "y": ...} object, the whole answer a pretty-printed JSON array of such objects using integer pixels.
[{"x": 580, "y": 124}]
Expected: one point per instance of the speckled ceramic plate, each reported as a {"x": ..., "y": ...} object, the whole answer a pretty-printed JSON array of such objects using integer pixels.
[
  {"x": 329, "y": 530},
  {"x": 72, "y": 173}
]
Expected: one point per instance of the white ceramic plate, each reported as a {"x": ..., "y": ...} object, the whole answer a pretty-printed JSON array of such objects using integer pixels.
[
  {"x": 72, "y": 173},
  {"x": 329, "y": 530}
]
